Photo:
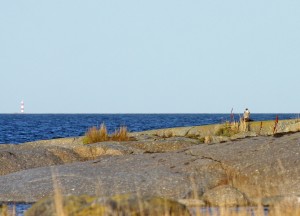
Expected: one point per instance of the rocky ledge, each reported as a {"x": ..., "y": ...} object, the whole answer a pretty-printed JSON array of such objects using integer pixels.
[{"x": 258, "y": 165}]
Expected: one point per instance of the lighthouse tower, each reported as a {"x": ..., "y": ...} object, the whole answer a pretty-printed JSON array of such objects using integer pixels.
[{"x": 22, "y": 106}]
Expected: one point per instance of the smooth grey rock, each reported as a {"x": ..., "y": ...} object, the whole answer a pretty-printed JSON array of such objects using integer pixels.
[
  {"x": 16, "y": 159},
  {"x": 95, "y": 150},
  {"x": 260, "y": 165},
  {"x": 164, "y": 174},
  {"x": 60, "y": 151},
  {"x": 162, "y": 145}
]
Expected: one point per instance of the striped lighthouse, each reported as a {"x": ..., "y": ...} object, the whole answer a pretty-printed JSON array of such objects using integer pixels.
[{"x": 22, "y": 106}]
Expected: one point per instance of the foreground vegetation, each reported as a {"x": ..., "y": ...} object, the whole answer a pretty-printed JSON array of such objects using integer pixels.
[{"x": 137, "y": 205}]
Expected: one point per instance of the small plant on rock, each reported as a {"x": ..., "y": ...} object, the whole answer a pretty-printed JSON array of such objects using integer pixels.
[
  {"x": 94, "y": 135},
  {"x": 120, "y": 135},
  {"x": 227, "y": 129}
]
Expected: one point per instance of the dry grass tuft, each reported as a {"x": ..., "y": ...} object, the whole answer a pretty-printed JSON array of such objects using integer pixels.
[
  {"x": 94, "y": 135},
  {"x": 58, "y": 198},
  {"x": 103, "y": 132},
  {"x": 120, "y": 135},
  {"x": 4, "y": 210}
]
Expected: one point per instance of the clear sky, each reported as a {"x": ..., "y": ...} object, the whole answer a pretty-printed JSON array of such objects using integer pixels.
[{"x": 158, "y": 56}]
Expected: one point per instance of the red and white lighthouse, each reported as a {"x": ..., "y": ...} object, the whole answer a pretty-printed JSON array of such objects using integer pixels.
[{"x": 22, "y": 106}]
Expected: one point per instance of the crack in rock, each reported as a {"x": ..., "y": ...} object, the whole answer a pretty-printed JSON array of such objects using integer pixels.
[{"x": 229, "y": 172}]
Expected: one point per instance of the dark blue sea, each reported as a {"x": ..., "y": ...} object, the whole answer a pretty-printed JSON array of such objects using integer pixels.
[{"x": 20, "y": 128}]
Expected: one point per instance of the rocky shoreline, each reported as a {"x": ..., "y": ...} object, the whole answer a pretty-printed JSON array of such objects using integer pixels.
[{"x": 259, "y": 165}]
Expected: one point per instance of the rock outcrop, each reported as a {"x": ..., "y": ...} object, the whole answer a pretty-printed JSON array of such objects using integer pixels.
[
  {"x": 68, "y": 150},
  {"x": 170, "y": 163},
  {"x": 16, "y": 158},
  {"x": 257, "y": 167}
]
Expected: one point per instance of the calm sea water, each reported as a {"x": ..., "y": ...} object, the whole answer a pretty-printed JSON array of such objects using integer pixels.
[{"x": 20, "y": 128}]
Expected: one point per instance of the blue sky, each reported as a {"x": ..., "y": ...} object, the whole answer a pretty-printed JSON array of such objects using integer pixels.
[{"x": 155, "y": 56}]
